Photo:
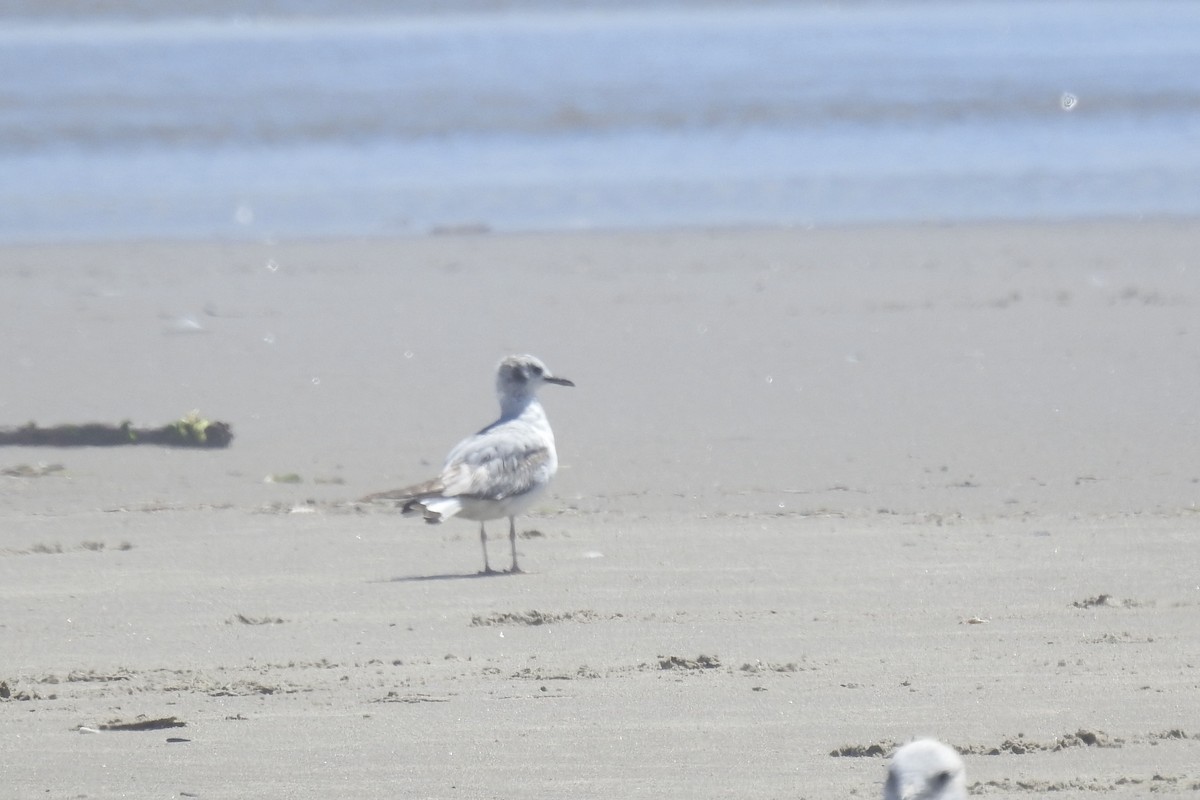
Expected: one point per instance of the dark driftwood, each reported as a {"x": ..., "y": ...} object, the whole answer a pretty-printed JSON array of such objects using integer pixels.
[
  {"x": 145, "y": 724},
  {"x": 191, "y": 431}
]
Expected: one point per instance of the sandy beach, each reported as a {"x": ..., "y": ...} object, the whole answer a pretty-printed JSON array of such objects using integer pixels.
[{"x": 821, "y": 492}]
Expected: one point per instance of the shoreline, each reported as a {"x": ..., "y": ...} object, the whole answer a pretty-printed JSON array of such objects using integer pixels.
[{"x": 475, "y": 230}]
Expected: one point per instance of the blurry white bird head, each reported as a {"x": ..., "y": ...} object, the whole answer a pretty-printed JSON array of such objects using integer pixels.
[
  {"x": 926, "y": 770},
  {"x": 519, "y": 377}
]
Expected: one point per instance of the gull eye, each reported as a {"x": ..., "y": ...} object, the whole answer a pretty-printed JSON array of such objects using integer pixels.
[
  {"x": 942, "y": 778},
  {"x": 535, "y": 369}
]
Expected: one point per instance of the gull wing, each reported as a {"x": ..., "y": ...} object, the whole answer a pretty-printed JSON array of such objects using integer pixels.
[
  {"x": 502, "y": 460},
  {"x": 497, "y": 463}
]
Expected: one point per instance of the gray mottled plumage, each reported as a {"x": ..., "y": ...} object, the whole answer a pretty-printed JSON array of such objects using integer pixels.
[{"x": 499, "y": 471}]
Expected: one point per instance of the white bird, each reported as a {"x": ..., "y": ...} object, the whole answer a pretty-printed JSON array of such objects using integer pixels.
[
  {"x": 499, "y": 471},
  {"x": 926, "y": 770}
]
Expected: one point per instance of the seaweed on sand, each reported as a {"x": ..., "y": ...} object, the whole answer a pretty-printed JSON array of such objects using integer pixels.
[{"x": 189, "y": 431}]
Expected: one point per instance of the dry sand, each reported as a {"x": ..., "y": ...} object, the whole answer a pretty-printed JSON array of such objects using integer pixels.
[{"x": 819, "y": 490}]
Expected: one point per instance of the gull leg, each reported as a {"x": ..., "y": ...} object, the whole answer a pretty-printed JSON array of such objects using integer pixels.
[
  {"x": 483, "y": 541},
  {"x": 512, "y": 540}
]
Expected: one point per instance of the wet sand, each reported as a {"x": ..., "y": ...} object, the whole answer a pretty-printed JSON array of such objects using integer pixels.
[{"x": 819, "y": 491}]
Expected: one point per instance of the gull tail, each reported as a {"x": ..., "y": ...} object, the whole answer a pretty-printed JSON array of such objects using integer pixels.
[
  {"x": 425, "y": 499},
  {"x": 431, "y": 488},
  {"x": 434, "y": 509}
]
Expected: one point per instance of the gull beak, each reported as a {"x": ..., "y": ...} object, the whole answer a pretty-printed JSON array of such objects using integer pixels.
[{"x": 559, "y": 381}]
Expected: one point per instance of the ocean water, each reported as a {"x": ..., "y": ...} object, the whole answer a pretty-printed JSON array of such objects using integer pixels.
[{"x": 309, "y": 118}]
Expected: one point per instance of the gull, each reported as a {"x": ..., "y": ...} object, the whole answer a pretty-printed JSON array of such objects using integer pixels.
[
  {"x": 926, "y": 770},
  {"x": 499, "y": 471}
]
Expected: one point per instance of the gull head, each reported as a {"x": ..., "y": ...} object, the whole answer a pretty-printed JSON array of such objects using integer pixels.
[
  {"x": 926, "y": 770},
  {"x": 521, "y": 376}
]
